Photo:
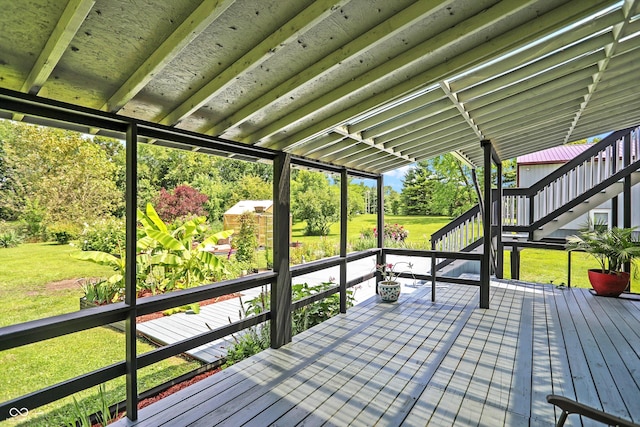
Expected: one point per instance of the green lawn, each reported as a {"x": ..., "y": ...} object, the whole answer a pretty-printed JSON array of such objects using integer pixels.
[
  {"x": 420, "y": 228},
  {"x": 28, "y": 291},
  {"x": 550, "y": 266}
]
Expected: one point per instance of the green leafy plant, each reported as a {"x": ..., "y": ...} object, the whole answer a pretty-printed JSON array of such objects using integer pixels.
[
  {"x": 106, "y": 235},
  {"x": 254, "y": 340},
  {"x": 102, "y": 291},
  {"x": 81, "y": 415},
  {"x": 9, "y": 239},
  {"x": 63, "y": 232},
  {"x": 611, "y": 247},
  {"x": 32, "y": 219},
  {"x": 166, "y": 260},
  {"x": 186, "y": 263},
  {"x": 246, "y": 241}
]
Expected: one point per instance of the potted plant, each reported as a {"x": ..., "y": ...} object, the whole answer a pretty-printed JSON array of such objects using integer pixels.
[
  {"x": 613, "y": 248},
  {"x": 389, "y": 287}
]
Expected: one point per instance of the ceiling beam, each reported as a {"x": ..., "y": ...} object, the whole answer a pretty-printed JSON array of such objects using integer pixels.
[
  {"x": 313, "y": 14},
  {"x": 70, "y": 21},
  {"x": 460, "y": 107},
  {"x": 206, "y": 13},
  {"x": 543, "y": 24},
  {"x": 367, "y": 41},
  {"x": 438, "y": 45},
  {"x": 629, "y": 9}
]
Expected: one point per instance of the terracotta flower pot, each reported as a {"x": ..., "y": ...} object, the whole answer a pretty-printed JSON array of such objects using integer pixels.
[
  {"x": 389, "y": 291},
  {"x": 608, "y": 284}
]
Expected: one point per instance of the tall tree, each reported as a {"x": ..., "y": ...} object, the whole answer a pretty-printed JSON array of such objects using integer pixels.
[
  {"x": 439, "y": 186},
  {"x": 417, "y": 188},
  {"x": 68, "y": 175}
]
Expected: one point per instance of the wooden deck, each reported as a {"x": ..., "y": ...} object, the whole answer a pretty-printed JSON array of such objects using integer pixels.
[{"x": 418, "y": 363}]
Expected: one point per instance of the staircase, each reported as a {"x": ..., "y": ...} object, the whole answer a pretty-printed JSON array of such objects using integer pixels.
[{"x": 533, "y": 213}]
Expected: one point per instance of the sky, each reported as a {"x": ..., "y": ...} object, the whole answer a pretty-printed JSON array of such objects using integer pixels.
[{"x": 394, "y": 178}]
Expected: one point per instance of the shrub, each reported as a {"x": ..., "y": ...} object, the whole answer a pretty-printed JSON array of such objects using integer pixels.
[
  {"x": 63, "y": 232},
  {"x": 184, "y": 201},
  {"x": 314, "y": 250},
  {"x": 32, "y": 220},
  {"x": 256, "y": 339},
  {"x": 395, "y": 232},
  {"x": 246, "y": 241},
  {"x": 102, "y": 291},
  {"x": 9, "y": 238},
  {"x": 107, "y": 235}
]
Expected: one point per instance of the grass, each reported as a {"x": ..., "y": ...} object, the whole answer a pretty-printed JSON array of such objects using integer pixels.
[
  {"x": 550, "y": 266},
  {"x": 28, "y": 293},
  {"x": 420, "y": 228},
  {"x": 28, "y": 274}
]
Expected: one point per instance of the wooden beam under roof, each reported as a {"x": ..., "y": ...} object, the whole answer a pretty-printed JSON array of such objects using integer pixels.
[
  {"x": 205, "y": 14},
  {"x": 629, "y": 9},
  {"x": 367, "y": 41},
  {"x": 70, "y": 21},
  {"x": 544, "y": 24},
  {"x": 314, "y": 13},
  {"x": 439, "y": 44}
]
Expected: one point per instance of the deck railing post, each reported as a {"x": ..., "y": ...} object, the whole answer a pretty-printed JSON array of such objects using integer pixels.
[
  {"x": 485, "y": 269},
  {"x": 381, "y": 258},
  {"x": 131, "y": 221},
  {"x": 281, "y": 289},
  {"x": 626, "y": 197},
  {"x": 499, "y": 206},
  {"x": 344, "y": 187}
]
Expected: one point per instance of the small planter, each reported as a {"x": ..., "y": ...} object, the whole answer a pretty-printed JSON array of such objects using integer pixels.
[
  {"x": 608, "y": 284},
  {"x": 389, "y": 291}
]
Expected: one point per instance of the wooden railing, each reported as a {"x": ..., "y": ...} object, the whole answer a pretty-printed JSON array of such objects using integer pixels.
[
  {"x": 525, "y": 209},
  {"x": 460, "y": 233},
  {"x": 572, "y": 183}
]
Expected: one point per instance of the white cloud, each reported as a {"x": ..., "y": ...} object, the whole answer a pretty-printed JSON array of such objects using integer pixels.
[{"x": 400, "y": 172}]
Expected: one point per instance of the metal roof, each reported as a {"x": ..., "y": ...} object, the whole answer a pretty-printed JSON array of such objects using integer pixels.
[
  {"x": 561, "y": 154},
  {"x": 368, "y": 84}
]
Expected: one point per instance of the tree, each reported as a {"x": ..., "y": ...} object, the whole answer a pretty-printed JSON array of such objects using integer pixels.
[
  {"x": 314, "y": 200},
  {"x": 68, "y": 175},
  {"x": 392, "y": 201},
  {"x": 453, "y": 192},
  {"x": 319, "y": 209},
  {"x": 246, "y": 242},
  {"x": 7, "y": 210},
  {"x": 251, "y": 187},
  {"x": 416, "y": 189},
  {"x": 439, "y": 186},
  {"x": 182, "y": 202}
]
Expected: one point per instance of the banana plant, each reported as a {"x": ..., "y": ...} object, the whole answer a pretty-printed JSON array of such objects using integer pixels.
[
  {"x": 187, "y": 263},
  {"x": 166, "y": 259}
]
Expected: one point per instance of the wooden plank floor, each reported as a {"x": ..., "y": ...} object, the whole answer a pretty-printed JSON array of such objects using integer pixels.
[{"x": 419, "y": 363}]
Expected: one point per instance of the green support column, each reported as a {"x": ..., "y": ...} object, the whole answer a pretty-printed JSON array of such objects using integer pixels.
[
  {"x": 485, "y": 269},
  {"x": 131, "y": 212},
  {"x": 281, "y": 289},
  {"x": 381, "y": 259},
  {"x": 344, "y": 187}
]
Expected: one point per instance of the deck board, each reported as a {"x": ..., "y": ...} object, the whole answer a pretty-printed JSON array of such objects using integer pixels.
[{"x": 423, "y": 363}]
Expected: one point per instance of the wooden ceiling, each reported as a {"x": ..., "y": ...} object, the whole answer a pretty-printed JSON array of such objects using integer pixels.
[{"x": 372, "y": 85}]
